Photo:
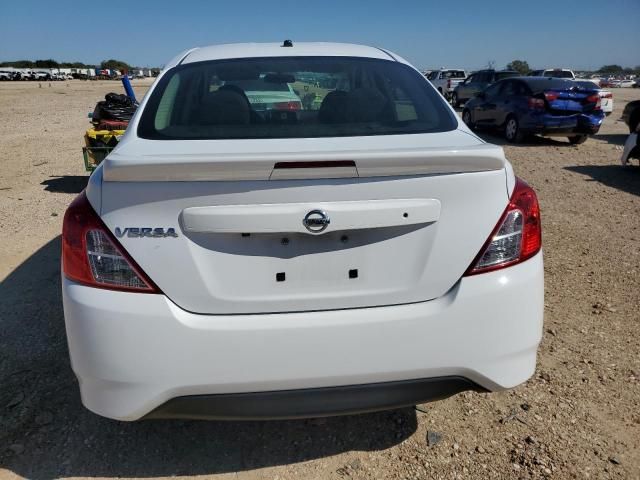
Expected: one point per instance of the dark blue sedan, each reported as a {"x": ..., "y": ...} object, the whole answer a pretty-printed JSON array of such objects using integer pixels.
[{"x": 536, "y": 105}]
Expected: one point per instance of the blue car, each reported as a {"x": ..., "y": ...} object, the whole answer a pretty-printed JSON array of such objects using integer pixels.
[{"x": 536, "y": 105}]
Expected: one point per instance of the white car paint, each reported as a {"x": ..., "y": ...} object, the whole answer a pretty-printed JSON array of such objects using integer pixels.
[{"x": 412, "y": 217}]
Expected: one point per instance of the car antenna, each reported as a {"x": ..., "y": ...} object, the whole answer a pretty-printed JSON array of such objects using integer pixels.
[{"x": 287, "y": 43}]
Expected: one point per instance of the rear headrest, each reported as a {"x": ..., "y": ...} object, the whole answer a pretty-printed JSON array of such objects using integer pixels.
[
  {"x": 225, "y": 107},
  {"x": 359, "y": 105}
]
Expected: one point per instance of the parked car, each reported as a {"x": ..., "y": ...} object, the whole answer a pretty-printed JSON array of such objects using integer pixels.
[
  {"x": 5, "y": 75},
  {"x": 626, "y": 84},
  {"x": 554, "y": 72},
  {"x": 606, "y": 97},
  {"x": 478, "y": 82},
  {"x": 41, "y": 75},
  {"x": 631, "y": 115},
  {"x": 631, "y": 148},
  {"x": 224, "y": 263},
  {"x": 267, "y": 94},
  {"x": 533, "y": 105},
  {"x": 445, "y": 80}
]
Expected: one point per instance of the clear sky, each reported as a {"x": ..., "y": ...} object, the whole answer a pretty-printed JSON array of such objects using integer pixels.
[{"x": 455, "y": 33}]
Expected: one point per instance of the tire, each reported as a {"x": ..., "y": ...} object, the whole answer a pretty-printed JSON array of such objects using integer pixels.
[
  {"x": 512, "y": 131},
  {"x": 578, "y": 139},
  {"x": 466, "y": 118},
  {"x": 454, "y": 100}
]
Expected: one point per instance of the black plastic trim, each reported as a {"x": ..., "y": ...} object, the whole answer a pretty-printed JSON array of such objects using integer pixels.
[{"x": 313, "y": 402}]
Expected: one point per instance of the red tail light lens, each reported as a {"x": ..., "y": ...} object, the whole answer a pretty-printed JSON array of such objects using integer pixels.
[
  {"x": 595, "y": 98},
  {"x": 536, "y": 103},
  {"x": 551, "y": 96},
  {"x": 517, "y": 236},
  {"x": 91, "y": 255},
  {"x": 291, "y": 106}
]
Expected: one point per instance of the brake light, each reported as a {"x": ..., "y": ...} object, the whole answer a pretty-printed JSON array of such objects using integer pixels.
[
  {"x": 290, "y": 106},
  {"x": 595, "y": 98},
  {"x": 551, "y": 96},
  {"x": 536, "y": 103},
  {"x": 517, "y": 236},
  {"x": 91, "y": 255}
]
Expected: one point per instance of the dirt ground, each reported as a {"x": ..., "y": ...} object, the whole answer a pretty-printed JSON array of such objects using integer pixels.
[{"x": 578, "y": 417}]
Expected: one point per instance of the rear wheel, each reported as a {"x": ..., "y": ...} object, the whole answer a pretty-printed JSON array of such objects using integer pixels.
[
  {"x": 577, "y": 139},
  {"x": 466, "y": 118},
  {"x": 512, "y": 131}
]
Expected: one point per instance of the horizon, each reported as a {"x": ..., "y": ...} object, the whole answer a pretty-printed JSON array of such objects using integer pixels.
[{"x": 563, "y": 36}]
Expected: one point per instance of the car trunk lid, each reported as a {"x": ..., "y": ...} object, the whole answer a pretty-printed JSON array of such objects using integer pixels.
[{"x": 391, "y": 222}]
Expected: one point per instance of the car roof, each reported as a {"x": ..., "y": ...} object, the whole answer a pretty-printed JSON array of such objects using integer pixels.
[
  {"x": 299, "y": 49},
  {"x": 540, "y": 83}
]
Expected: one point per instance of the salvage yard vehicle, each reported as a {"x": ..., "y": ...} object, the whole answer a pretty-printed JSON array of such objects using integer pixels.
[
  {"x": 631, "y": 115},
  {"x": 231, "y": 263},
  {"x": 41, "y": 75},
  {"x": 270, "y": 92},
  {"x": 534, "y": 105},
  {"x": 445, "y": 80},
  {"x": 476, "y": 83},
  {"x": 555, "y": 73}
]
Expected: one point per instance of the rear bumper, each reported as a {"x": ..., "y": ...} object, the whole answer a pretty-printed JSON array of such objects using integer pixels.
[
  {"x": 133, "y": 353},
  {"x": 547, "y": 124},
  {"x": 312, "y": 402}
]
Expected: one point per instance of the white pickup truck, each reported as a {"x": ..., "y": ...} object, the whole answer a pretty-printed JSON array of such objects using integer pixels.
[{"x": 446, "y": 79}]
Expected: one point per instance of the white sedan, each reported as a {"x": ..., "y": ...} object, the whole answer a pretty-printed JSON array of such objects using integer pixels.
[{"x": 228, "y": 262}]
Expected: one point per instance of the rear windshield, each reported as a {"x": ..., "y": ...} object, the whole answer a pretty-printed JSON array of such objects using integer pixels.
[
  {"x": 501, "y": 75},
  {"x": 587, "y": 84},
  {"x": 453, "y": 74},
  {"x": 539, "y": 84},
  {"x": 292, "y": 97}
]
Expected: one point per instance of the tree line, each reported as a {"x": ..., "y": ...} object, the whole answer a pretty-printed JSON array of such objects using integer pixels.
[
  {"x": 111, "y": 64},
  {"x": 522, "y": 66}
]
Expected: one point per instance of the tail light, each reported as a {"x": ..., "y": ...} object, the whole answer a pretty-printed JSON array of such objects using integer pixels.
[
  {"x": 290, "y": 106},
  {"x": 517, "y": 236},
  {"x": 551, "y": 96},
  {"x": 595, "y": 98},
  {"x": 91, "y": 255},
  {"x": 536, "y": 103}
]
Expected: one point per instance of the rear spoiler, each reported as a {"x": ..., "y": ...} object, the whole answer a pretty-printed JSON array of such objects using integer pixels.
[{"x": 119, "y": 167}]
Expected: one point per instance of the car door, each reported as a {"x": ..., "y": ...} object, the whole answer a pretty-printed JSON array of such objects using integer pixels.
[
  {"x": 485, "y": 112},
  {"x": 468, "y": 89},
  {"x": 507, "y": 101}
]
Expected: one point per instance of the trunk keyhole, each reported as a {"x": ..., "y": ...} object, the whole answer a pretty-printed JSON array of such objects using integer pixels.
[
  {"x": 353, "y": 273},
  {"x": 405, "y": 215}
]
